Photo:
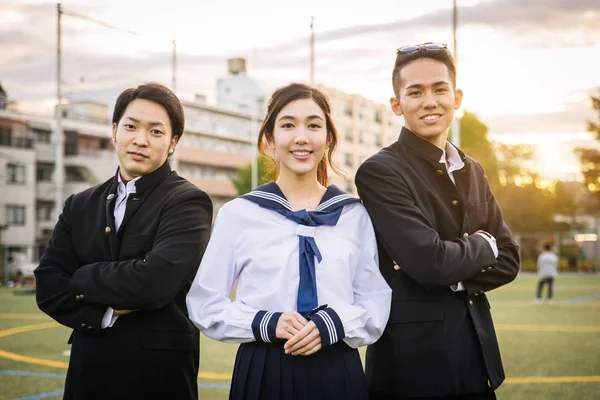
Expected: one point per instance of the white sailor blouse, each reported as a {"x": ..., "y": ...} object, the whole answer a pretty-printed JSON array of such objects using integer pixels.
[{"x": 321, "y": 263}]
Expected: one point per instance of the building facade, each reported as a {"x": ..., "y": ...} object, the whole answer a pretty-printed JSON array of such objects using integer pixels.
[{"x": 216, "y": 143}]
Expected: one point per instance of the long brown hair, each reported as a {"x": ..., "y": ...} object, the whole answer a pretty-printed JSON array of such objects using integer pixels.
[{"x": 281, "y": 98}]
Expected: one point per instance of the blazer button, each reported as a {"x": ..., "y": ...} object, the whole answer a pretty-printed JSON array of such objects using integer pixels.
[
  {"x": 89, "y": 327},
  {"x": 465, "y": 234},
  {"x": 470, "y": 303},
  {"x": 490, "y": 268},
  {"x": 107, "y": 230},
  {"x": 454, "y": 203},
  {"x": 110, "y": 197},
  {"x": 476, "y": 294},
  {"x": 83, "y": 325},
  {"x": 481, "y": 292},
  {"x": 483, "y": 269},
  {"x": 440, "y": 172}
]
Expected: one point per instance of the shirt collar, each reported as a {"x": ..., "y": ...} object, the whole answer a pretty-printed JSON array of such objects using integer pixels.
[
  {"x": 424, "y": 148},
  {"x": 126, "y": 188},
  {"x": 452, "y": 156},
  {"x": 270, "y": 195}
]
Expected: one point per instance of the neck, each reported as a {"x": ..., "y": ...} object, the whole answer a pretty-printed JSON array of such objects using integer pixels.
[
  {"x": 302, "y": 191},
  {"x": 439, "y": 141}
]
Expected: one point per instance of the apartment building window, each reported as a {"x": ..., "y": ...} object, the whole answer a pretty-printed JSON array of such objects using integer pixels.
[
  {"x": 15, "y": 174},
  {"x": 348, "y": 159},
  {"x": 348, "y": 110},
  {"x": 44, "y": 211},
  {"x": 378, "y": 141},
  {"x": 43, "y": 172},
  {"x": 348, "y": 135},
  {"x": 15, "y": 215},
  {"x": 378, "y": 117},
  {"x": 42, "y": 136}
]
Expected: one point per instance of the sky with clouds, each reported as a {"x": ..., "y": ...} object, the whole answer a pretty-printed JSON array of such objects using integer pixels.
[{"x": 527, "y": 67}]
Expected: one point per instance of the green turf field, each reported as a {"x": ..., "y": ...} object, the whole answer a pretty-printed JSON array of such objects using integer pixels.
[{"x": 549, "y": 351}]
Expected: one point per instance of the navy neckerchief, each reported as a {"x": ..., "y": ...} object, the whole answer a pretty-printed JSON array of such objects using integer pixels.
[{"x": 328, "y": 212}]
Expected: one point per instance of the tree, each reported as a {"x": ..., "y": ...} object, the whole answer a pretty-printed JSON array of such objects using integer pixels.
[
  {"x": 243, "y": 179},
  {"x": 589, "y": 158},
  {"x": 474, "y": 142}
]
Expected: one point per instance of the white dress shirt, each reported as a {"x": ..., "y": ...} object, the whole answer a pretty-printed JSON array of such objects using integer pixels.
[
  {"x": 123, "y": 192},
  {"x": 258, "y": 248},
  {"x": 451, "y": 159}
]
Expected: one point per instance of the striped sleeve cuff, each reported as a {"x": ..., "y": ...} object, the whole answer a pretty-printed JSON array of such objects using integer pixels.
[
  {"x": 329, "y": 325},
  {"x": 264, "y": 324}
]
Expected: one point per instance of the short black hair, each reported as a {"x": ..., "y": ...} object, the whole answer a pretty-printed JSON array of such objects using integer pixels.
[
  {"x": 547, "y": 246},
  {"x": 156, "y": 93},
  {"x": 402, "y": 59}
]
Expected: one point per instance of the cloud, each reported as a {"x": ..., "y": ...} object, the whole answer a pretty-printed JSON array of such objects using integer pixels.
[{"x": 568, "y": 121}]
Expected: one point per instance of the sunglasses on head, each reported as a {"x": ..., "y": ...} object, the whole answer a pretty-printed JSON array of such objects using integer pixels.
[{"x": 415, "y": 47}]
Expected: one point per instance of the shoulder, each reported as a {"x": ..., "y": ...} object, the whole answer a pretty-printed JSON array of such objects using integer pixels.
[
  {"x": 355, "y": 215},
  {"x": 380, "y": 159},
  {"x": 180, "y": 190},
  {"x": 238, "y": 209},
  {"x": 476, "y": 166}
]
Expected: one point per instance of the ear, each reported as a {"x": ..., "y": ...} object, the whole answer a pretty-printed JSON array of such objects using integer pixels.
[
  {"x": 458, "y": 96},
  {"x": 114, "y": 132},
  {"x": 396, "y": 107},
  {"x": 174, "y": 141},
  {"x": 268, "y": 137}
]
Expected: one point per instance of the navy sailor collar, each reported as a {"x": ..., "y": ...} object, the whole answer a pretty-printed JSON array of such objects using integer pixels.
[{"x": 270, "y": 195}]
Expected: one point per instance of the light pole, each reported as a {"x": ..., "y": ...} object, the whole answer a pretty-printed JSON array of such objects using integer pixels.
[
  {"x": 258, "y": 108},
  {"x": 58, "y": 134},
  {"x": 4, "y": 258},
  {"x": 456, "y": 121}
]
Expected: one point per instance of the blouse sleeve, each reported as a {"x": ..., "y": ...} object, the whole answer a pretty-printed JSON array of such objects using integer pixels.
[
  {"x": 362, "y": 322},
  {"x": 208, "y": 302}
]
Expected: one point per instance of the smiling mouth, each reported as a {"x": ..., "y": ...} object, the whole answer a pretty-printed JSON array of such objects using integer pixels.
[
  {"x": 431, "y": 117},
  {"x": 301, "y": 153}
]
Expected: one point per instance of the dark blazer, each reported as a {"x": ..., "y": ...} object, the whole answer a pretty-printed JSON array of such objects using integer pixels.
[
  {"x": 148, "y": 265},
  {"x": 437, "y": 342}
]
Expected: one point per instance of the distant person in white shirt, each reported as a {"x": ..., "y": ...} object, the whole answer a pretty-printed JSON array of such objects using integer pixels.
[
  {"x": 547, "y": 269},
  {"x": 304, "y": 255}
]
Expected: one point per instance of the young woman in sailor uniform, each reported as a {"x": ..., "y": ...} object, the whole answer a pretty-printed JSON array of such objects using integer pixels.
[{"x": 304, "y": 259}]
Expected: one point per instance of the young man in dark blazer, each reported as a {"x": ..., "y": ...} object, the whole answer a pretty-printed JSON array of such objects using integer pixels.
[
  {"x": 122, "y": 258},
  {"x": 442, "y": 245}
]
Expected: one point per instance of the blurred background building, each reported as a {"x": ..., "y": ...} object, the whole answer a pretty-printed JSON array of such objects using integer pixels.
[{"x": 218, "y": 141}]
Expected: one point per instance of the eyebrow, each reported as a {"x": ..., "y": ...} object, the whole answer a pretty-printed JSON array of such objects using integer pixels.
[
  {"x": 149, "y": 123},
  {"x": 294, "y": 118},
  {"x": 419, "y": 86}
]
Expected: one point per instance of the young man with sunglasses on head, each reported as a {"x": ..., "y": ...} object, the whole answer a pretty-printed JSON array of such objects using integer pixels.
[{"x": 442, "y": 244}]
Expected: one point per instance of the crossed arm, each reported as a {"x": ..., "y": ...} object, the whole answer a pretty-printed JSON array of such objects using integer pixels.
[
  {"x": 78, "y": 295},
  {"x": 412, "y": 241}
]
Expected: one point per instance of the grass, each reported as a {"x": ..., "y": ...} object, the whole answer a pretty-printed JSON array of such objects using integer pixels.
[{"x": 537, "y": 341}]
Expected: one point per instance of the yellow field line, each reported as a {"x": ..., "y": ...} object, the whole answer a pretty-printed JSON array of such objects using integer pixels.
[
  {"x": 28, "y": 328},
  {"x": 224, "y": 376},
  {"x": 33, "y": 360},
  {"x": 37, "y": 317},
  {"x": 548, "y": 328},
  {"x": 214, "y": 375},
  {"x": 508, "y": 303},
  {"x": 552, "y": 379}
]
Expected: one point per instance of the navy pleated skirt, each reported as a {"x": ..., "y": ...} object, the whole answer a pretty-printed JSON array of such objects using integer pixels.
[{"x": 263, "y": 371}]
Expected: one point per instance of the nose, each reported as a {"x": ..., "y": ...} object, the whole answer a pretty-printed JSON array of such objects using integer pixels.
[
  {"x": 300, "y": 136},
  {"x": 141, "y": 137},
  {"x": 429, "y": 100}
]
